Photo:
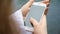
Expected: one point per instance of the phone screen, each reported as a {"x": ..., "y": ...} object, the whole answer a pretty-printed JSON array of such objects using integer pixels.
[{"x": 36, "y": 12}]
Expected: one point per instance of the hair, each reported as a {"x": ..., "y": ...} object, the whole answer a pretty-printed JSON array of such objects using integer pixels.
[{"x": 5, "y": 10}]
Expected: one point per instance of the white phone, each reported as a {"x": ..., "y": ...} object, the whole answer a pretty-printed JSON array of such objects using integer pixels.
[{"x": 36, "y": 12}]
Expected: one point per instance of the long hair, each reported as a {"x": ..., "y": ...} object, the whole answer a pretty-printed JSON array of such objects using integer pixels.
[{"x": 5, "y": 10}]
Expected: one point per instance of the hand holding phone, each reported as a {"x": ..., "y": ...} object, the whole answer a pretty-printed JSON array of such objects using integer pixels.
[{"x": 36, "y": 11}]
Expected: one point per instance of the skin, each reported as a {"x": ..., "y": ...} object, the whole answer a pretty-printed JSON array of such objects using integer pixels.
[
  {"x": 26, "y": 7},
  {"x": 41, "y": 27}
]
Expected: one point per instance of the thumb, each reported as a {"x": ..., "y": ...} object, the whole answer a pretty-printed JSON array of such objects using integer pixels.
[{"x": 33, "y": 21}]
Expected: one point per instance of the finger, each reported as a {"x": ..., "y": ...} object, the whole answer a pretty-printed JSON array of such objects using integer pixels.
[
  {"x": 46, "y": 11},
  {"x": 43, "y": 20},
  {"x": 46, "y": 2},
  {"x": 33, "y": 21},
  {"x": 25, "y": 11},
  {"x": 32, "y": 0}
]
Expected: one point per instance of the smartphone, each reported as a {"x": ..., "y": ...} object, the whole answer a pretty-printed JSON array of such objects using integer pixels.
[{"x": 36, "y": 12}]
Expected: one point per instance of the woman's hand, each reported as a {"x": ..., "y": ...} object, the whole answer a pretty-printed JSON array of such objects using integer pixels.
[
  {"x": 47, "y": 2},
  {"x": 40, "y": 27},
  {"x": 25, "y": 9}
]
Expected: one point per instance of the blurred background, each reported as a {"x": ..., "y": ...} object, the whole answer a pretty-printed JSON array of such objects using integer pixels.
[{"x": 53, "y": 16}]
